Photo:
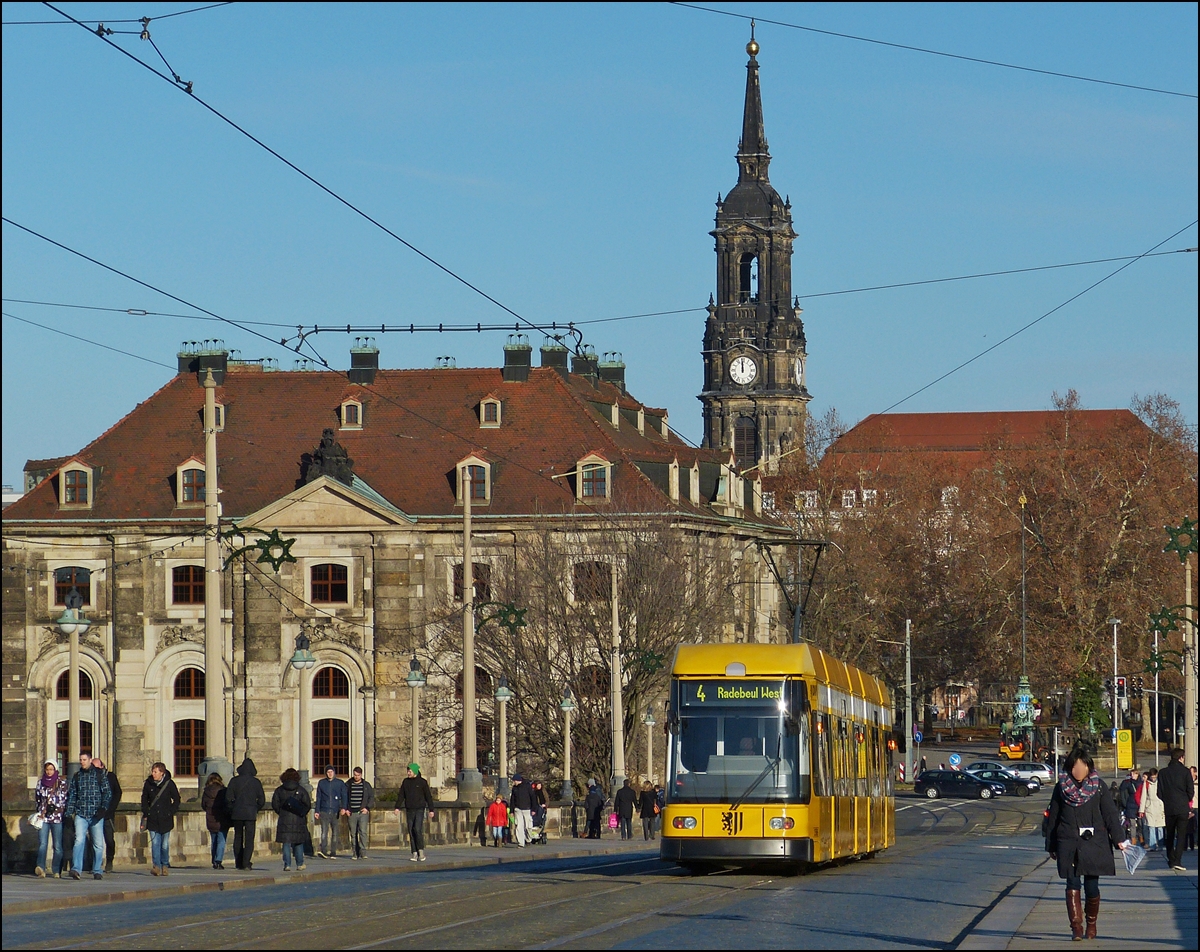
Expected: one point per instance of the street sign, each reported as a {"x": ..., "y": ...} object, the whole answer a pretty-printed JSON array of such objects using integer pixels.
[
  {"x": 1124, "y": 750},
  {"x": 955, "y": 761},
  {"x": 917, "y": 737}
]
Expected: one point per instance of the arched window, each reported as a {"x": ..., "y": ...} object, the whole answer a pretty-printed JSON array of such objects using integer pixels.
[
  {"x": 483, "y": 684},
  {"x": 330, "y": 583},
  {"x": 62, "y": 690},
  {"x": 331, "y": 745},
  {"x": 483, "y": 743},
  {"x": 745, "y": 442},
  {"x": 592, "y": 581},
  {"x": 593, "y": 682},
  {"x": 482, "y": 573},
  {"x": 187, "y": 585},
  {"x": 748, "y": 285},
  {"x": 189, "y": 747},
  {"x": 330, "y": 683},
  {"x": 189, "y": 684},
  {"x": 62, "y": 741},
  {"x": 69, "y": 577},
  {"x": 193, "y": 485}
]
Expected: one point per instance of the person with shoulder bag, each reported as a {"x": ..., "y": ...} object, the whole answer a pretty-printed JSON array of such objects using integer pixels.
[
  {"x": 1083, "y": 826},
  {"x": 50, "y": 796},
  {"x": 648, "y": 810},
  {"x": 160, "y": 803},
  {"x": 291, "y": 804}
]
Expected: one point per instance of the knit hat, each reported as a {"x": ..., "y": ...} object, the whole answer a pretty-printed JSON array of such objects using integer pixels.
[
  {"x": 517, "y": 778},
  {"x": 329, "y": 767},
  {"x": 415, "y": 768}
]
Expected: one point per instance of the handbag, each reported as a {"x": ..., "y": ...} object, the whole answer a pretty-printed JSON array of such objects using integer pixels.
[
  {"x": 613, "y": 821},
  {"x": 145, "y": 816},
  {"x": 295, "y": 805},
  {"x": 37, "y": 821}
]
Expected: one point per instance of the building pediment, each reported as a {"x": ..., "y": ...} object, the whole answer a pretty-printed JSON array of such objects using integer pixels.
[{"x": 328, "y": 503}]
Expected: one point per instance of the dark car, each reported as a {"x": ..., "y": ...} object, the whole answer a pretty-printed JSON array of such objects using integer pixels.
[
  {"x": 1014, "y": 786},
  {"x": 955, "y": 783}
]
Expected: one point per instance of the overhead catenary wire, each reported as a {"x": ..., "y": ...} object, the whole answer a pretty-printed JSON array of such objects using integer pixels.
[
  {"x": 165, "y": 16},
  {"x": 116, "y": 350},
  {"x": 292, "y": 165},
  {"x": 921, "y": 49}
]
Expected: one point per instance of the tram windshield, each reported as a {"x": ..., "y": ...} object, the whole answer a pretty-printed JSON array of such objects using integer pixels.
[{"x": 738, "y": 741}]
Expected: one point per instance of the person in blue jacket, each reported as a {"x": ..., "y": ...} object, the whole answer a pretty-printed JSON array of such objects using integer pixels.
[{"x": 332, "y": 805}]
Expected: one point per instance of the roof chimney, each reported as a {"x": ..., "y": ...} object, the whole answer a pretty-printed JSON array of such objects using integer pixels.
[
  {"x": 584, "y": 363},
  {"x": 554, "y": 354},
  {"x": 201, "y": 356},
  {"x": 518, "y": 358},
  {"x": 612, "y": 369},
  {"x": 364, "y": 360}
]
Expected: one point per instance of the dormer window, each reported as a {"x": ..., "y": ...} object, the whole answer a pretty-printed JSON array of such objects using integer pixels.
[
  {"x": 475, "y": 477},
  {"x": 219, "y": 416},
  {"x": 189, "y": 482},
  {"x": 75, "y": 486},
  {"x": 595, "y": 478},
  {"x": 673, "y": 480},
  {"x": 352, "y": 415},
  {"x": 489, "y": 412},
  {"x": 694, "y": 485}
]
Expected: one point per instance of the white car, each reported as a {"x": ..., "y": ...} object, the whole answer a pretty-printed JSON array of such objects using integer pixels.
[{"x": 1042, "y": 773}]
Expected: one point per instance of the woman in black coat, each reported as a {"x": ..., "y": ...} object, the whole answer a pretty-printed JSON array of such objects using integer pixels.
[
  {"x": 291, "y": 802},
  {"x": 160, "y": 803},
  {"x": 1083, "y": 827}
]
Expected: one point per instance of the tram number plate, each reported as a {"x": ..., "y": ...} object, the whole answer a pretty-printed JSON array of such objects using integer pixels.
[{"x": 732, "y": 822}]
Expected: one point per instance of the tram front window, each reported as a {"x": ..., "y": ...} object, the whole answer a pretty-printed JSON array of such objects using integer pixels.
[{"x": 720, "y": 751}]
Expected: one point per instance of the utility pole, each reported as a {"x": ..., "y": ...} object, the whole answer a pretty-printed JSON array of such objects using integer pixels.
[
  {"x": 618, "y": 708},
  {"x": 1116, "y": 701},
  {"x": 215, "y": 756},
  {"x": 1189, "y": 669},
  {"x": 470, "y": 781},
  {"x": 910, "y": 772}
]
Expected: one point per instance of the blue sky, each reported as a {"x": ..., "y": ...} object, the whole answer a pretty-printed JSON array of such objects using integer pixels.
[{"x": 566, "y": 160}]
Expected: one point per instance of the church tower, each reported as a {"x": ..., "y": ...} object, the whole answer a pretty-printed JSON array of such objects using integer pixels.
[{"x": 754, "y": 349}]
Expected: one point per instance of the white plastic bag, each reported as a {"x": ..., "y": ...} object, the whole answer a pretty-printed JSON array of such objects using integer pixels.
[
  {"x": 1133, "y": 856},
  {"x": 37, "y": 821}
]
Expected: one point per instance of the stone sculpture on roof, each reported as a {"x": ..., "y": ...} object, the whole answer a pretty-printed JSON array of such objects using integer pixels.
[{"x": 329, "y": 459}]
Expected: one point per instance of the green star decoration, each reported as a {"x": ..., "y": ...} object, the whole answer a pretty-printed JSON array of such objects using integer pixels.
[
  {"x": 1164, "y": 621},
  {"x": 275, "y": 550},
  {"x": 1183, "y": 539}
]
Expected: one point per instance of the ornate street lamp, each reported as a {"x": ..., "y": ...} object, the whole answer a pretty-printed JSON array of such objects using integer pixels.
[
  {"x": 416, "y": 681},
  {"x": 649, "y": 721},
  {"x": 302, "y": 660},
  {"x": 503, "y": 696},
  {"x": 72, "y": 624},
  {"x": 567, "y": 706}
]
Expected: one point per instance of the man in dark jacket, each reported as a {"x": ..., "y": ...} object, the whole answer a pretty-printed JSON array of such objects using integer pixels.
[
  {"x": 331, "y": 807},
  {"x": 245, "y": 797},
  {"x": 87, "y": 801},
  {"x": 593, "y": 806},
  {"x": 1176, "y": 789},
  {"x": 360, "y": 801},
  {"x": 415, "y": 798},
  {"x": 521, "y": 801},
  {"x": 1127, "y": 800},
  {"x": 623, "y": 804}
]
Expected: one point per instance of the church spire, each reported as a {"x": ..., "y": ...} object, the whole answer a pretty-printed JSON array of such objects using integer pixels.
[{"x": 753, "y": 156}]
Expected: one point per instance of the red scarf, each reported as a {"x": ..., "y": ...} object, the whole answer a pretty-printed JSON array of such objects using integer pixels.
[{"x": 1077, "y": 794}]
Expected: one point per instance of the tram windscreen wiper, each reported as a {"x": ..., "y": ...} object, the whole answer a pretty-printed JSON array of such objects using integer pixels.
[{"x": 762, "y": 776}]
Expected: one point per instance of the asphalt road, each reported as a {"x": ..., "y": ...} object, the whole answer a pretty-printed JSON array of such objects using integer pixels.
[{"x": 952, "y": 861}]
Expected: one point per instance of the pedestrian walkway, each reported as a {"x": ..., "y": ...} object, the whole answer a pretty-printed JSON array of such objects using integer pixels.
[
  {"x": 25, "y": 893},
  {"x": 1156, "y": 908}
]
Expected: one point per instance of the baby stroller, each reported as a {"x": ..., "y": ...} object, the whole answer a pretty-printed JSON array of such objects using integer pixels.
[{"x": 537, "y": 836}]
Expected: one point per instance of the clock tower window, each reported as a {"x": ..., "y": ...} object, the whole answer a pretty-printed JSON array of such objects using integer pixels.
[
  {"x": 745, "y": 442},
  {"x": 748, "y": 286}
]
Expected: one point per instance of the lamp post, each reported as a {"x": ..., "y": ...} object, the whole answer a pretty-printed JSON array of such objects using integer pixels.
[
  {"x": 503, "y": 696},
  {"x": 416, "y": 681},
  {"x": 302, "y": 660},
  {"x": 1116, "y": 701},
  {"x": 71, "y": 624},
  {"x": 618, "y": 709},
  {"x": 567, "y": 706},
  {"x": 649, "y": 721}
]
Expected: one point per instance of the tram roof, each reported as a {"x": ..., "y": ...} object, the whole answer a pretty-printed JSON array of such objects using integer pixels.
[{"x": 765, "y": 661}]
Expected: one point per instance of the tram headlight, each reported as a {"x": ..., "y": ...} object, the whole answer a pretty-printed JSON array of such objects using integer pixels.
[
  {"x": 782, "y": 823},
  {"x": 684, "y": 823}
]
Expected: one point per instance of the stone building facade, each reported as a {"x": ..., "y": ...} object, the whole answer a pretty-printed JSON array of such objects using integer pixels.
[{"x": 374, "y": 507}]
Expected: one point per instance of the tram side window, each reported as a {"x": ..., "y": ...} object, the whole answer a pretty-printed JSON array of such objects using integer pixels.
[
  {"x": 841, "y": 783},
  {"x": 822, "y": 757},
  {"x": 861, "y": 761}
]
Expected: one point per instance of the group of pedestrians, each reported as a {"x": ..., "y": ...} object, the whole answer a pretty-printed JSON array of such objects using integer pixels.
[
  {"x": 87, "y": 802},
  {"x": 521, "y": 819},
  {"x": 1085, "y": 824}
]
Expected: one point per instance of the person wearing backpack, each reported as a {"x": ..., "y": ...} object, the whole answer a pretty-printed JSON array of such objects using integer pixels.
[
  {"x": 216, "y": 817},
  {"x": 291, "y": 804},
  {"x": 160, "y": 803}
]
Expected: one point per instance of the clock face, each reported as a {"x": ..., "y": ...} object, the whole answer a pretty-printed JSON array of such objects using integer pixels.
[
  {"x": 799, "y": 372},
  {"x": 743, "y": 370}
]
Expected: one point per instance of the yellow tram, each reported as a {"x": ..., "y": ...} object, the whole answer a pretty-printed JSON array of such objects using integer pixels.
[{"x": 777, "y": 753}]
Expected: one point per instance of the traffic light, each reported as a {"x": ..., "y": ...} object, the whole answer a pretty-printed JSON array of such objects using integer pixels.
[{"x": 1121, "y": 687}]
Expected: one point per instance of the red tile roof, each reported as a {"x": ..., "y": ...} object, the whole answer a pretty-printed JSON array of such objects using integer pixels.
[{"x": 416, "y": 425}]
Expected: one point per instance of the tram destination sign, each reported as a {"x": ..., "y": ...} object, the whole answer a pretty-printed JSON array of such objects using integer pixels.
[{"x": 724, "y": 693}]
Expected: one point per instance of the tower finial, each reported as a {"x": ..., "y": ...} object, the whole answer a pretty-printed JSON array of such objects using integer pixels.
[{"x": 752, "y": 46}]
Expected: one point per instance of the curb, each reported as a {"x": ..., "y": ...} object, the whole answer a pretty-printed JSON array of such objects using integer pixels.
[
  {"x": 998, "y": 925},
  {"x": 221, "y": 885}
]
